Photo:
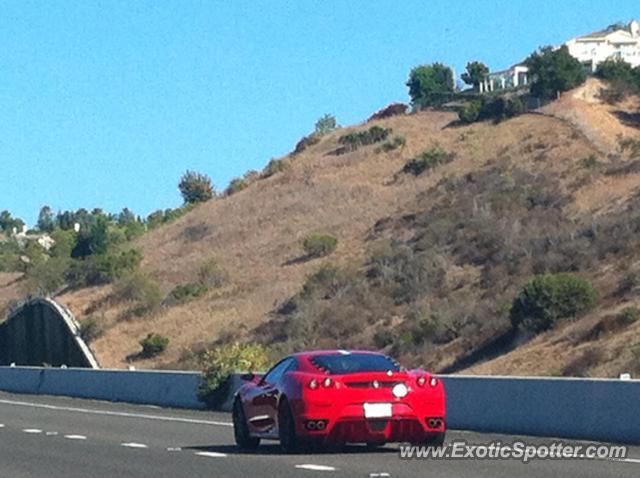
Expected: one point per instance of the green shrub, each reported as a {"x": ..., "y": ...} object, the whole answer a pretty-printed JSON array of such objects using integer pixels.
[
  {"x": 395, "y": 143},
  {"x": 273, "y": 167},
  {"x": 629, "y": 315},
  {"x": 319, "y": 245},
  {"x": 153, "y": 344},
  {"x": 186, "y": 292},
  {"x": 470, "y": 112},
  {"x": 427, "y": 160},
  {"x": 352, "y": 141},
  {"x": 140, "y": 288},
  {"x": 91, "y": 329},
  {"x": 235, "y": 185},
  {"x": 549, "y": 298},
  {"x": 220, "y": 363},
  {"x": 103, "y": 268},
  {"x": 590, "y": 161}
]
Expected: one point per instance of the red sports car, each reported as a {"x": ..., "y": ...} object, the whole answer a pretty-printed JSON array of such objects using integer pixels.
[{"x": 338, "y": 397}]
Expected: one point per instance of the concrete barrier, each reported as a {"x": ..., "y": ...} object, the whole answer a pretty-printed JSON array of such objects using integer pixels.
[
  {"x": 591, "y": 409},
  {"x": 168, "y": 389}
]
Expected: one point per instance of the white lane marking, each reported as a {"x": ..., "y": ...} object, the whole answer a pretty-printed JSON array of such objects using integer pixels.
[
  {"x": 379, "y": 475},
  {"x": 174, "y": 448},
  {"x": 116, "y": 414},
  {"x": 32, "y": 430},
  {"x": 134, "y": 445},
  {"x": 210, "y": 454},
  {"x": 627, "y": 460},
  {"x": 315, "y": 467},
  {"x": 51, "y": 434},
  {"x": 1, "y": 425},
  {"x": 75, "y": 437}
]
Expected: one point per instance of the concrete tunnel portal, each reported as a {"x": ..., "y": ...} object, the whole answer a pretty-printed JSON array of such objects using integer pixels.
[{"x": 41, "y": 332}]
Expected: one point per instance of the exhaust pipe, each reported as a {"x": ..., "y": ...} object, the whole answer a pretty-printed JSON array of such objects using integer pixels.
[
  {"x": 320, "y": 425},
  {"x": 311, "y": 425}
]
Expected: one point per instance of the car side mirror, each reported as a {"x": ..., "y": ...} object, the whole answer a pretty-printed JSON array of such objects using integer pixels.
[{"x": 248, "y": 377}]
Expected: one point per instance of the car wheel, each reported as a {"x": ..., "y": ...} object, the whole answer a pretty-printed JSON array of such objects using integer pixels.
[
  {"x": 435, "y": 440},
  {"x": 240, "y": 429},
  {"x": 287, "y": 428}
]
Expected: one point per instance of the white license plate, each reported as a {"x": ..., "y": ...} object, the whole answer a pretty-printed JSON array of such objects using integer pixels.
[{"x": 377, "y": 410}]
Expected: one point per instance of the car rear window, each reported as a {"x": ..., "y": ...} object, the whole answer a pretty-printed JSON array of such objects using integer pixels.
[{"x": 340, "y": 364}]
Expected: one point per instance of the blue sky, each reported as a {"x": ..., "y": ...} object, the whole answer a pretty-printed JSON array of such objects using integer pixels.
[{"x": 106, "y": 103}]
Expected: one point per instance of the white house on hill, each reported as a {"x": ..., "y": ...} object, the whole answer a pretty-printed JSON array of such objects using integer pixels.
[{"x": 617, "y": 41}]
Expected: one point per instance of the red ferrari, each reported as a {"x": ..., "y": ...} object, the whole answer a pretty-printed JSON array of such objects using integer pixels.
[{"x": 337, "y": 397}]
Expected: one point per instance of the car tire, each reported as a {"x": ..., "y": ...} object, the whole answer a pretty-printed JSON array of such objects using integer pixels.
[
  {"x": 287, "y": 428},
  {"x": 435, "y": 440},
  {"x": 244, "y": 440}
]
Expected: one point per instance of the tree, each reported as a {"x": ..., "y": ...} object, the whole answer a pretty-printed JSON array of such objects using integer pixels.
[
  {"x": 126, "y": 217},
  {"x": 92, "y": 240},
  {"x": 195, "y": 187},
  {"x": 475, "y": 74},
  {"x": 429, "y": 85},
  {"x": 553, "y": 71},
  {"x": 46, "y": 219},
  {"x": 325, "y": 125},
  {"x": 8, "y": 223}
]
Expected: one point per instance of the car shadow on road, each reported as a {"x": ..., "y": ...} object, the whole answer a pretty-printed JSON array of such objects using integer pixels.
[{"x": 274, "y": 449}]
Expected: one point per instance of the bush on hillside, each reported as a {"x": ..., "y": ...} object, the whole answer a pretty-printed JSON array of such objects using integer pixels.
[
  {"x": 319, "y": 245},
  {"x": 352, "y": 141},
  {"x": 140, "y": 289},
  {"x": 195, "y": 187},
  {"x": 622, "y": 79},
  {"x": 396, "y": 142},
  {"x": 103, "y": 268},
  {"x": 153, "y": 345},
  {"x": 550, "y": 298},
  {"x": 498, "y": 109},
  {"x": 470, "y": 112},
  {"x": 91, "y": 329},
  {"x": 429, "y": 159},
  {"x": 235, "y": 185},
  {"x": 186, "y": 292},
  {"x": 219, "y": 363},
  {"x": 273, "y": 167},
  {"x": 394, "y": 109},
  {"x": 306, "y": 142}
]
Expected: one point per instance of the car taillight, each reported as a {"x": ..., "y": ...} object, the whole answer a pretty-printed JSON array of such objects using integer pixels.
[
  {"x": 313, "y": 384},
  {"x": 327, "y": 382},
  {"x": 433, "y": 382},
  {"x": 421, "y": 381}
]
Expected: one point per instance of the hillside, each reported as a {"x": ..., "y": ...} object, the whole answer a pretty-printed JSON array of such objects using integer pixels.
[{"x": 426, "y": 265}]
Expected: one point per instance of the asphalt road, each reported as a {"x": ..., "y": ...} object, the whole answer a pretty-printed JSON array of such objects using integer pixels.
[{"x": 62, "y": 437}]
